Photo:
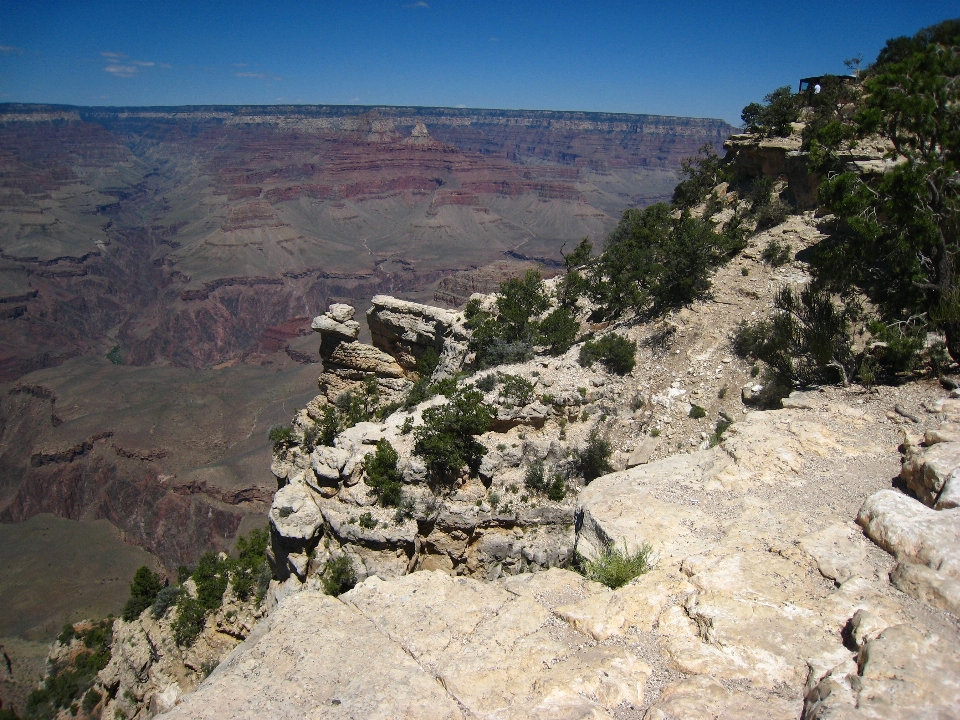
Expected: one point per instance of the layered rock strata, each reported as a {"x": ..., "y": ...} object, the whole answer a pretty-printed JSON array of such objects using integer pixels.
[{"x": 346, "y": 361}]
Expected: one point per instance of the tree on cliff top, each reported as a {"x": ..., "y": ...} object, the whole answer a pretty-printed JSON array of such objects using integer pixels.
[{"x": 897, "y": 237}]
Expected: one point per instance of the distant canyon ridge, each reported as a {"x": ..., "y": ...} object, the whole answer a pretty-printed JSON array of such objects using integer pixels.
[{"x": 159, "y": 268}]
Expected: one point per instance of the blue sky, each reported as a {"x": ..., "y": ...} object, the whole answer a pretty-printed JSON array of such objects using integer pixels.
[{"x": 688, "y": 58}]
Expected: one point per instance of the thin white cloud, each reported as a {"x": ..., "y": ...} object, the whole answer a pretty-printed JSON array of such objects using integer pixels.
[
  {"x": 143, "y": 63},
  {"x": 493, "y": 39},
  {"x": 112, "y": 55},
  {"x": 416, "y": 5},
  {"x": 257, "y": 75},
  {"x": 10, "y": 50},
  {"x": 125, "y": 71},
  {"x": 239, "y": 64},
  {"x": 165, "y": 66}
]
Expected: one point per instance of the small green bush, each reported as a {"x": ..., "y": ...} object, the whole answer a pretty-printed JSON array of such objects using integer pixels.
[
  {"x": 775, "y": 254},
  {"x": 338, "y": 576},
  {"x": 67, "y": 634},
  {"x": 558, "y": 331},
  {"x": 115, "y": 356},
  {"x": 166, "y": 599},
  {"x": 515, "y": 390},
  {"x": 383, "y": 475},
  {"x": 189, "y": 622},
  {"x": 699, "y": 176},
  {"x": 488, "y": 382},
  {"x": 616, "y": 353},
  {"x": 281, "y": 437},
  {"x": 557, "y": 489},
  {"x": 250, "y": 572},
  {"x": 615, "y": 568},
  {"x": 90, "y": 700},
  {"x": 67, "y": 683},
  {"x": 722, "y": 425},
  {"x": 697, "y": 412},
  {"x": 367, "y": 522},
  {"x": 534, "y": 478},
  {"x": 774, "y": 117},
  {"x": 446, "y": 440},
  {"x": 143, "y": 591},
  {"x": 593, "y": 460}
]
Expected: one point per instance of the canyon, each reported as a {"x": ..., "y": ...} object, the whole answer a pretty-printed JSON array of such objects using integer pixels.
[{"x": 159, "y": 268}]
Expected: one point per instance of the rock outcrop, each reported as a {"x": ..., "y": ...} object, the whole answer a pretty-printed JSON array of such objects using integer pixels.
[
  {"x": 407, "y": 330},
  {"x": 347, "y": 362},
  {"x": 149, "y": 672},
  {"x": 764, "y": 602},
  {"x": 923, "y": 533}
]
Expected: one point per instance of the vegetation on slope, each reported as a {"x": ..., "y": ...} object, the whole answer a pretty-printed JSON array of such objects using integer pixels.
[{"x": 894, "y": 236}]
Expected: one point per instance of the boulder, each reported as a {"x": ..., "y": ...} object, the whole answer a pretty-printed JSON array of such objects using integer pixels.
[
  {"x": 294, "y": 513},
  {"x": 642, "y": 453},
  {"x": 327, "y": 325},
  {"x": 928, "y": 585},
  {"x": 341, "y": 312},
  {"x": 305, "y": 661},
  {"x": 901, "y": 675},
  {"x": 912, "y": 532},
  {"x": 925, "y": 471}
]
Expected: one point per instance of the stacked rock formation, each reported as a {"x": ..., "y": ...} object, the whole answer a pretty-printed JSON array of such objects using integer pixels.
[{"x": 347, "y": 361}]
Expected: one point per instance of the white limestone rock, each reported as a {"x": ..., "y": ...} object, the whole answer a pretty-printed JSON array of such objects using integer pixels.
[{"x": 294, "y": 513}]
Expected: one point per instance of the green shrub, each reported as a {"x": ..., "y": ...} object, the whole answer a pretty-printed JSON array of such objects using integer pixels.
[
  {"x": 446, "y": 439},
  {"x": 367, "y": 521},
  {"x": 515, "y": 390},
  {"x": 67, "y": 634},
  {"x": 557, "y": 490},
  {"x": 593, "y": 460},
  {"x": 775, "y": 254},
  {"x": 191, "y": 617},
  {"x": 534, "y": 478},
  {"x": 488, "y": 382},
  {"x": 722, "y": 425},
  {"x": 508, "y": 334},
  {"x": 281, "y": 437},
  {"x": 558, "y": 331},
  {"x": 166, "y": 599},
  {"x": 338, "y": 576},
  {"x": 699, "y": 176},
  {"x": 806, "y": 341},
  {"x": 428, "y": 362},
  {"x": 383, "y": 475},
  {"x": 115, "y": 356},
  {"x": 616, "y": 353},
  {"x": 697, "y": 412},
  {"x": 90, "y": 700},
  {"x": 655, "y": 260},
  {"x": 250, "y": 572},
  {"x": 143, "y": 591},
  {"x": 68, "y": 682},
  {"x": 615, "y": 568}
]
